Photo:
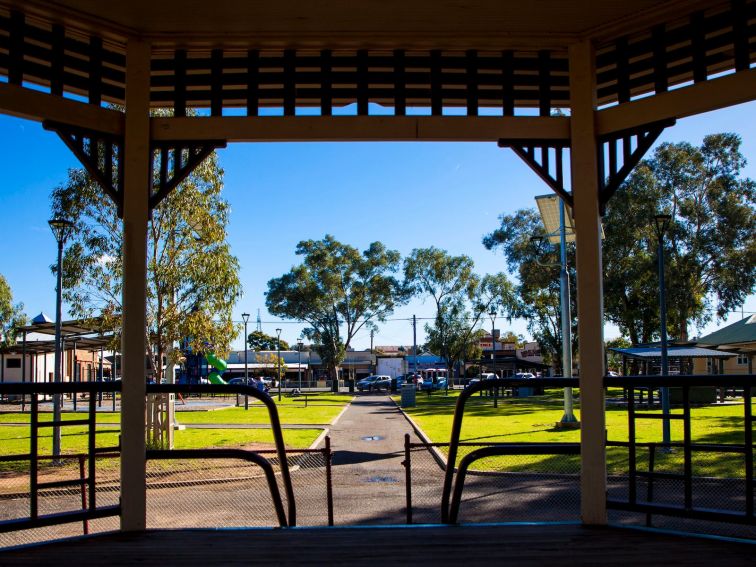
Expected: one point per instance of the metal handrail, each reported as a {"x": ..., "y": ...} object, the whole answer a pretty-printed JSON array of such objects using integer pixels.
[
  {"x": 92, "y": 388},
  {"x": 459, "y": 411},
  {"x": 275, "y": 425},
  {"x": 503, "y": 450}
]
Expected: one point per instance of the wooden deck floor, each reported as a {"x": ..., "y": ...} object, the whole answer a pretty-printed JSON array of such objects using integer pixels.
[{"x": 456, "y": 545}]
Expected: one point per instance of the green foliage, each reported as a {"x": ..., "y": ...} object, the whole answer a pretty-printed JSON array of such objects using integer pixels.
[
  {"x": 537, "y": 267},
  {"x": 11, "y": 314},
  {"x": 710, "y": 251},
  {"x": 614, "y": 360},
  {"x": 257, "y": 340},
  {"x": 462, "y": 299},
  {"x": 192, "y": 277},
  {"x": 337, "y": 285}
]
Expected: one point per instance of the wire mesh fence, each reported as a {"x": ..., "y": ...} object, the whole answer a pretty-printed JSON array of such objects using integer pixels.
[
  {"x": 226, "y": 493},
  {"x": 15, "y": 497},
  {"x": 511, "y": 488}
]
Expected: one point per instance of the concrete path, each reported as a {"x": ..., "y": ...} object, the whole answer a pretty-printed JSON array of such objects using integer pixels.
[{"x": 368, "y": 476}]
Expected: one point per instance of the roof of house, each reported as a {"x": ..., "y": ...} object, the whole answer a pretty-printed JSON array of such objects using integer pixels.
[
  {"x": 743, "y": 331},
  {"x": 672, "y": 352}
]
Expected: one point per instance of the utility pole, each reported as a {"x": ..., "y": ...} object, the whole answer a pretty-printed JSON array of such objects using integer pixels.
[
  {"x": 414, "y": 344},
  {"x": 371, "y": 352}
]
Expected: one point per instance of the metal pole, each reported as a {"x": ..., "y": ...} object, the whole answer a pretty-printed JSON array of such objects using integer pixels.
[
  {"x": 493, "y": 357},
  {"x": 246, "y": 363},
  {"x": 666, "y": 437},
  {"x": 58, "y": 362},
  {"x": 299, "y": 365},
  {"x": 414, "y": 344},
  {"x": 23, "y": 370},
  {"x": 564, "y": 299},
  {"x": 278, "y": 361}
]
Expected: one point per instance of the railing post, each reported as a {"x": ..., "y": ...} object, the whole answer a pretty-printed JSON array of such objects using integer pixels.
[
  {"x": 408, "y": 475},
  {"x": 329, "y": 479}
]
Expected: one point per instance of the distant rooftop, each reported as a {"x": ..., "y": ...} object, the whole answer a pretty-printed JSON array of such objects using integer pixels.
[{"x": 743, "y": 331}]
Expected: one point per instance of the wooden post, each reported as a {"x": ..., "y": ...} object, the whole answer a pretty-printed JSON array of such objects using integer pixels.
[
  {"x": 135, "y": 213},
  {"x": 584, "y": 168}
]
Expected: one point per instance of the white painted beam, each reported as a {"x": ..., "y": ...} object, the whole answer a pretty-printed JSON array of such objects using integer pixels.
[
  {"x": 590, "y": 304},
  {"x": 686, "y": 101},
  {"x": 135, "y": 214},
  {"x": 35, "y": 105}
]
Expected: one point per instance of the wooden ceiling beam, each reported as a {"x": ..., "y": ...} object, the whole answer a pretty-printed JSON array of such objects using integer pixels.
[
  {"x": 702, "y": 97},
  {"x": 360, "y": 128},
  {"x": 39, "y": 106}
]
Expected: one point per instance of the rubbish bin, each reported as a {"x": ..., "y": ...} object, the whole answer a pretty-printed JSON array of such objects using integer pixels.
[
  {"x": 408, "y": 396},
  {"x": 351, "y": 386},
  {"x": 393, "y": 385}
]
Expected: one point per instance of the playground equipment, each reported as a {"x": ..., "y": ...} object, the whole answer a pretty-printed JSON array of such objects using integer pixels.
[{"x": 220, "y": 367}]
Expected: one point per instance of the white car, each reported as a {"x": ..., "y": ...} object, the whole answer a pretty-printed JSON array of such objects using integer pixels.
[{"x": 524, "y": 376}]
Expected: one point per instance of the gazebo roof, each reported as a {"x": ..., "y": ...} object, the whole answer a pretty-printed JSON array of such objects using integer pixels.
[
  {"x": 673, "y": 351},
  {"x": 366, "y": 24}
]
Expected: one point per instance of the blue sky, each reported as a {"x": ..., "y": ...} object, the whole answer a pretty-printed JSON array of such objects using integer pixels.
[{"x": 408, "y": 195}]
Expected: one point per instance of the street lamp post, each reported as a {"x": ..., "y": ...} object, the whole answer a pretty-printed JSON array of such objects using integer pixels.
[
  {"x": 492, "y": 314},
  {"x": 245, "y": 318},
  {"x": 62, "y": 229},
  {"x": 661, "y": 224},
  {"x": 278, "y": 360},
  {"x": 299, "y": 362}
]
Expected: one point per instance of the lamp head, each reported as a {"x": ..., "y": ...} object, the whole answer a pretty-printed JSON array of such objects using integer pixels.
[
  {"x": 245, "y": 318},
  {"x": 661, "y": 224},
  {"x": 61, "y": 228},
  {"x": 278, "y": 333}
]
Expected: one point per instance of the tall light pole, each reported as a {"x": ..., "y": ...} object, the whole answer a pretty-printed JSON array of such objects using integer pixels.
[
  {"x": 61, "y": 229},
  {"x": 547, "y": 213},
  {"x": 299, "y": 362},
  {"x": 492, "y": 314},
  {"x": 278, "y": 360},
  {"x": 661, "y": 224},
  {"x": 245, "y": 318}
]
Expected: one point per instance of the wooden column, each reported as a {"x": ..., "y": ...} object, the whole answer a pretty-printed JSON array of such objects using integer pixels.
[
  {"x": 135, "y": 214},
  {"x": 590, "y": 304}
]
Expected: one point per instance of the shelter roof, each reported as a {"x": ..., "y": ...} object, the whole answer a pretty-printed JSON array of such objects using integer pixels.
[
  {"x": 67, "y": 328},
  {"x": 45, "y": 347},
  {"x": 743, "y": 331},
  {"x": 672, "y": 352}
]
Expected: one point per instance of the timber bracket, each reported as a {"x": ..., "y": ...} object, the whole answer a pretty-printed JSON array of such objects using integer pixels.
[
  {"x": 618, "y": 153},
  {"x": 628, "y": 146},
  {"x": 175, "y": 162},
  {"x": 537, "y": 154},
  {"x": 100, "y": 153}
]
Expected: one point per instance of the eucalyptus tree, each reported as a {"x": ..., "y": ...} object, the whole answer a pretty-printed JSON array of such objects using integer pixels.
[
  {"x": 338, "y": 291},
  {"x": 192, "y": 276},
  {"x": 11, "y": 314},
  {"x": 462, "y": 300}
]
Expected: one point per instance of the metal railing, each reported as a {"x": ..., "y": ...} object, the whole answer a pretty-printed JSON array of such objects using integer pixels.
[
  {"x": 687, "y": 508},
  {"x": 90, "y": 509},
  {"x": 497, "y": 385}
]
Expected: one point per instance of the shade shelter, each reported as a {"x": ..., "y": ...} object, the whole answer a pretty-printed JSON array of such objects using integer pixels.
[{"x": 620, "y": 72}]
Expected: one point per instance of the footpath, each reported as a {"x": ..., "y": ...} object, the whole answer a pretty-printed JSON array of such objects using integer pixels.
[{"x": 368, "y": 476}]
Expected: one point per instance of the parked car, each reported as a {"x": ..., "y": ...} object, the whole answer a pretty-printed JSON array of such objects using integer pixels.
[
  {"x": 524, "y": 376},
  {"x": 479, "y": 377},
  {"x": 374, "y": 383},
  {"x": 240, "y": 381}
]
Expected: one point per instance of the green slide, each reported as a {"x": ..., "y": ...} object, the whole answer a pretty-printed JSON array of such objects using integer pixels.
[{"x": 220, "y": 366}]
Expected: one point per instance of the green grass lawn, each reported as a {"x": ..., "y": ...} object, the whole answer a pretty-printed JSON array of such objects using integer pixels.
[
  {"x": 321, "y": 409},
  {"x": 533, "y": 419}
]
